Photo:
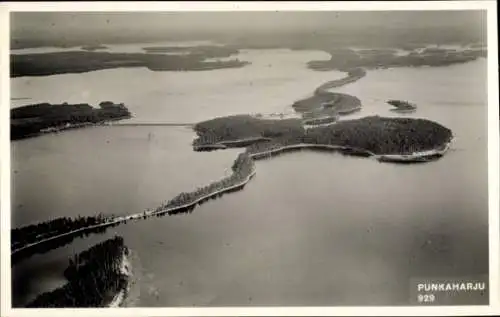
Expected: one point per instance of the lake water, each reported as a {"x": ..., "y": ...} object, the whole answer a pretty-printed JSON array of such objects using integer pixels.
[{"x": 310, "y": 229}]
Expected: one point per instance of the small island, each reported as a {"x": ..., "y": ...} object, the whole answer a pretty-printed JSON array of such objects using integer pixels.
[
  {"x": 97, "y": 277},
  {"x": 402, "y": 106},
  {"x": 33, "y": 120},
  {"x": 376, "y": 136}
]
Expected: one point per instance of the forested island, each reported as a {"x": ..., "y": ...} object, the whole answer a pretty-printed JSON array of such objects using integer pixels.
[
  {"x": 84, "y": 61},
  {"x": 97, "y": 277},
  {"x": 228, "y": 131},
  {"x": 32, "y": 120},
  {"x": 375, "y": 135},
  {"x": 381, "y": 136},
  {"x": 194, "y": 58}
]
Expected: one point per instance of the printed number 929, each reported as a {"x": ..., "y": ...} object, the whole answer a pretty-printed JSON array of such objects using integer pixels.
[{"x": 426, "y": 298}]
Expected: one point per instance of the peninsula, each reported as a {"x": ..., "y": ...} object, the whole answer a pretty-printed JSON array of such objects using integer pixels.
[
  {"x": 33, "y": 120},
  {"x": 325, "y": 103}
]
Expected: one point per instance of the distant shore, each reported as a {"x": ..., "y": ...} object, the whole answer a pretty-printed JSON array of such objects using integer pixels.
[
  {"x": 75, "y": 62},
  {"x": 196, "y": 58},
  {"x": 345, "y": 58},
  {"x": 412, "y": 157}
]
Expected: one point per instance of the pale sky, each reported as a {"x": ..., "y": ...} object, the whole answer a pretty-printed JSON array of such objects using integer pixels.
[{"x": 52, "y": 23}]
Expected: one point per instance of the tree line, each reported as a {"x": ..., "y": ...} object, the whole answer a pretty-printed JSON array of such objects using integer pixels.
[
  {"x": 32, "y": 119},
  {"x": 242, "y": 168},
  {"x": 382, "y": 135},
  {"x": 94, "y": 278}
]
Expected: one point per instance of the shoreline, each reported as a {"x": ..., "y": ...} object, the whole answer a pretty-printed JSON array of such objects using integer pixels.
[
  {"x": 299, "y": 146},
  {"x": 413, "y": 157},
  {"x": 125, "y": 269},
  {"x": 228, "y": 144},
  {"x": 416, "y": 156}
]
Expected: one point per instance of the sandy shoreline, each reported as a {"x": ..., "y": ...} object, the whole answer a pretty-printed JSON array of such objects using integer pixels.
[
  {"x": 415, "y": 156},
  {"x": 125, "y": 269}
]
